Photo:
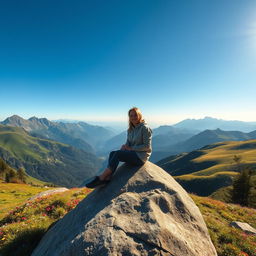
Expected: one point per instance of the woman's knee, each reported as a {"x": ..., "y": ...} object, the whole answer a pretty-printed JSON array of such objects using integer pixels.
[
  {"x": 119, "y": 153},
  {"x": 112, "y": 153}
]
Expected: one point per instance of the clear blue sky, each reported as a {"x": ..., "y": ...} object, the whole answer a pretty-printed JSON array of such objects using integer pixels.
[{"x": 93, "y": 60}]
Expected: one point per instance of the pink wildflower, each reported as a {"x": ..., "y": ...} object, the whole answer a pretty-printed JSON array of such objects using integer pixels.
[{"x": 244, "y": 235}]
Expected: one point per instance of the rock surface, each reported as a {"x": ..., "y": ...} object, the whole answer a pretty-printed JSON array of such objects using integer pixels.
[
  {"x": 244, "y": 226},
  {"x": 142, "y": 211},
  {"x": 48, "y": 192}
]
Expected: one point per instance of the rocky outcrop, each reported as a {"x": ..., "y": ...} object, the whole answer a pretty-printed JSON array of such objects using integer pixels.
[
  {"x": 48, "y": 193},
  {"x": 142, "y": 211},
  {"x": 243, "y": 226}
]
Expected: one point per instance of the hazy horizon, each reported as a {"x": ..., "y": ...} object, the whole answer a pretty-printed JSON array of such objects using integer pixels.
[{"x": 119, "y": 125}]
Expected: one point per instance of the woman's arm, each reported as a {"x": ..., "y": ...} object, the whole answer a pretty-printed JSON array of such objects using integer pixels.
[
  {"x": 147, "y": 138},
  {"x": 127, "y": 144}
]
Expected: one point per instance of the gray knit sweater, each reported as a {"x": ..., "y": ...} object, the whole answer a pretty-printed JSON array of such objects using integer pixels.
[{"x": 139, "y": 139}]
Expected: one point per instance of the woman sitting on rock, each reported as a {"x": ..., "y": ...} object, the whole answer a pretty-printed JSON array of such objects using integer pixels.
[{"x": 136, "y": 151}]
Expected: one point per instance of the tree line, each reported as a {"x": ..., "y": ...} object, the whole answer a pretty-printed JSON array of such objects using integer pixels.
[{"x": 8, "y": 174}]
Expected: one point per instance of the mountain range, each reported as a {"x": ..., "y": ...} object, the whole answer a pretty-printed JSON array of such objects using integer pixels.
[
  {"x": 214, "y": 123},
  {"x": 46, "y": 160},
  {"x": 199, "y": 140},
  {"x": 81, "y": 135},
  {"x": 188, "y": 135},
  {"x": 167, "y": 139}
]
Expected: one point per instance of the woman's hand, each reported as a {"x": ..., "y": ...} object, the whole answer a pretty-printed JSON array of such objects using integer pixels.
[{"x": 127, "y": 147}]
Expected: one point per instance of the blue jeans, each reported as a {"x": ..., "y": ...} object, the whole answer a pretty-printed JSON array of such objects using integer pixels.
[{"x": 126, "y": 156}]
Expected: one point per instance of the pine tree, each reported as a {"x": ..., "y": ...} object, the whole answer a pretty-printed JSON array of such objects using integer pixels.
[
  {"x": 7, "y": 177},
  {"x": 241, "y": 187},
  {"x": 21, "y": 175},
  {"x": 3, "y": 166},
  {"x": 12, "y": 175}
]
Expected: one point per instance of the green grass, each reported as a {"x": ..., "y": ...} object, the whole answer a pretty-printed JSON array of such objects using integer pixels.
[
  {"x": 36, "y": 182},
  {"x": 224, "y": 154},
  {"x": 223, "y": 194},
  {"x": 12, "y": 194},
  {"x": 221, "y": 156},
  {"x": 205, "y": 177},
  {"x": 22, "y": 147},
  {"x": 22, "y": 228},
  {"x": 227, "y": 240}
]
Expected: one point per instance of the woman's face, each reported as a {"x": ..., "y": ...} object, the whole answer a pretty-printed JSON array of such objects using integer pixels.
[{"x": 134, "y": 118}]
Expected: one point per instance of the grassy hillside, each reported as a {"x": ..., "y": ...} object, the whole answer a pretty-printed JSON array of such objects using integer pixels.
[
  {"x": 46, "y": 160},
  {"x": 22, "y": 228},
  {"x": 212, "y": 167},
  {"x": 227, "y": 240},
  {"x": 12, "y": 194}
]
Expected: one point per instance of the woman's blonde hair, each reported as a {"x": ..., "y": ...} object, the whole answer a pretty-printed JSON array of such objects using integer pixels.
[{"x": 138, "y": 112}]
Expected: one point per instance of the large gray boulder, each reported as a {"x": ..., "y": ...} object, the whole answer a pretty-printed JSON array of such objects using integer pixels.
[{"x": 142, "y": 211}]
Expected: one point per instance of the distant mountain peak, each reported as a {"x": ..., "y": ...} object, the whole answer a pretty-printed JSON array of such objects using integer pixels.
[
  {"x": 210, "y": 118},
  {"x": 33, "y": 118},
  {"x": 14, "y": 120},
  {"x": 213, "y": 123},
  {"x": 14, "y": 117},
  {"x": 40, "y": 122}
]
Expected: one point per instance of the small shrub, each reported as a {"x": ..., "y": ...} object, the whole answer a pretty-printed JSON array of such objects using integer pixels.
[
  {"x": 58, "y": 213},
  {"x": 225, "y": 238}
]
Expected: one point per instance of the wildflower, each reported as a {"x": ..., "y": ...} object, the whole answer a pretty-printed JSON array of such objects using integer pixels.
[
  {"x": 48, "y": 208},
  {"x": 244, "y": 235}
]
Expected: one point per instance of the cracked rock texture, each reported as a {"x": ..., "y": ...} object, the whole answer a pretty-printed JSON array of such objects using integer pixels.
[{"x": 142, "y": 211}]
